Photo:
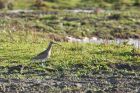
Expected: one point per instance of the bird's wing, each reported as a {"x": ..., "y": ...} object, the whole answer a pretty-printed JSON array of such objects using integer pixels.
[{"x": 41, "y": 55}]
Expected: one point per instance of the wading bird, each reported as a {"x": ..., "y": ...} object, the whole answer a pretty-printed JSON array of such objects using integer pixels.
[{"x": 43, "y": 56}]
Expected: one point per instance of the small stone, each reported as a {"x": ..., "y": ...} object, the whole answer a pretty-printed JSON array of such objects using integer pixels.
[
  {"x": 88, "y": 91},
  {"x": 78, "y": 85}
]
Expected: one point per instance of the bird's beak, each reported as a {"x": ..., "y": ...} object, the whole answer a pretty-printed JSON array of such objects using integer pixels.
[{"x": 57, "y": 44}]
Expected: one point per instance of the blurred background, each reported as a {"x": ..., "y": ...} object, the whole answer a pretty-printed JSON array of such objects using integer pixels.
[
  {"x": 100, "y": 50},
  {"x": 67, "y": 4}
]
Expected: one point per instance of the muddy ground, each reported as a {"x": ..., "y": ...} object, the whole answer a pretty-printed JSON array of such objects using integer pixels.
[
  {"x": 120, "y": 79},
  {"x": 99, "y": 82}
]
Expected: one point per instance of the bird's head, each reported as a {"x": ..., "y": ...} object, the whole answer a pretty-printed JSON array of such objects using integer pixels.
[{"x": 51, "y": 42}]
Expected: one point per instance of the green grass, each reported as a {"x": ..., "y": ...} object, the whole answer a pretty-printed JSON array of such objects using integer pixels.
[
  {"x": 23, "y": 37},
  {"x": 110, "y": 25},
  {"x": 83, "y": 57},
  {"x": 122, "y": 4},
  {"x": 24, "y": 4}
]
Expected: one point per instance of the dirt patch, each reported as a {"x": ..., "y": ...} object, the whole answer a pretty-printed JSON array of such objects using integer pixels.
[
  {"x": 125, "y": 66},
  {"x": 100, "y": 82}
]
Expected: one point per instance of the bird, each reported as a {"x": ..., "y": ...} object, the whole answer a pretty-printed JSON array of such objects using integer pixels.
[{"x": 43, "y": 56}]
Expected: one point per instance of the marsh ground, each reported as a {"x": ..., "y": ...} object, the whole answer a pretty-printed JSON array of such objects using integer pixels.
[{"x": 73, "y": 67}]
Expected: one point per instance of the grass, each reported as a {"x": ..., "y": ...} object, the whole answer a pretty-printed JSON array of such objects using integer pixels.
[
  {"x": 91, "y": 65},
  {"x": 100, "y": 68},
  {"x": 62, "y": 4},
  {"x": 24, "y": 4},
  {"x": 108, "y": 25},
  {"x": 83, "y": 58},
  {"x": 24, "y": 36}
]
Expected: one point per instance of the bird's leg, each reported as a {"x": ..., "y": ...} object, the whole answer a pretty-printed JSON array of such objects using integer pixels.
[{"x": 42, "y": 64}]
